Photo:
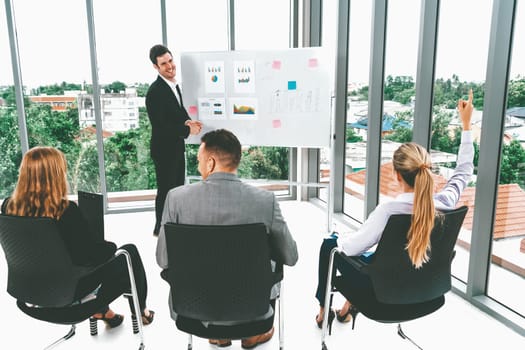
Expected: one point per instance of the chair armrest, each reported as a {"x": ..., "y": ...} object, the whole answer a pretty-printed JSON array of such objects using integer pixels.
[
  {"x": 164, "y": 275},
  {"x": 278, "y": 274},
  {"x": 355, "y": 261}
]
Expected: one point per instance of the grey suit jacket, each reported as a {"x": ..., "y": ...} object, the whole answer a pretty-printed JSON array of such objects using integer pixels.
[{"x": 223, "y": 199}]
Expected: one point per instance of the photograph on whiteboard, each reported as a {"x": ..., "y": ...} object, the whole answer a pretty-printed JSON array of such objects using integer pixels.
[
  {"x": 243, "y": 108},
  {"x": 244, "y": 77},
  {"x": 211, "y": 108},
  {"x": 214, "y": 77}
]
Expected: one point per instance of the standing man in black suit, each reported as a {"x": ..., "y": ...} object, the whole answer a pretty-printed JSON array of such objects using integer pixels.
[{"x": 170, "y": 125}]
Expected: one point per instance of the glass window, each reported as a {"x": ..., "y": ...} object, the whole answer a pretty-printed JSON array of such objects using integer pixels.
[
  {"x": 399, "y": 90},
  {"x": 54, "y": 55},
  {"x": 185, "y": 17},
  {"x": 9, "y": 134},
  {"x": 358, "y": 71},
  {"x": 456, "y": 73},
  {"x": 253, "y": 32},
  {"x": 262, "y": 24},
  {"x": 507, "y": 270},
  {"x": 125, "y": 72},
  {"x": 198, "y": 25}
]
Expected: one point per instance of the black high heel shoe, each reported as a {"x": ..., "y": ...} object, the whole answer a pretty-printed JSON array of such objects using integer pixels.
[
  {"x": 331, "y": 316},
  {"x": 112, "y": 322},
  {"x": 352, "y": 311},
  {"x": 146, "y": 320}
]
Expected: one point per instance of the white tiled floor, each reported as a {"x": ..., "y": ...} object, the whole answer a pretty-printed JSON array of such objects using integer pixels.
[{"x": 456, "y": 325}]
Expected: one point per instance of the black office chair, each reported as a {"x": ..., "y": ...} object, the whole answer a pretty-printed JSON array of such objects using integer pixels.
[
  {"x": 92, "y": 207},
  {"x": 398, "y": 292},
  {"x": 221, "y": 274},
  {"x": 43, "y": 279}
]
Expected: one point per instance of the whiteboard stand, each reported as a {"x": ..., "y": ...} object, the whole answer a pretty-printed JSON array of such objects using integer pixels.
[{"x": 330, "y": 194}]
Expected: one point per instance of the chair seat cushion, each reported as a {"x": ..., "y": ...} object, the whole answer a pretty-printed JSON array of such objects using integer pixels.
[
  {"x": 366, "y": 302},
  {"x": 244, "y": 330},
  {"x": 64, "y": 315}
]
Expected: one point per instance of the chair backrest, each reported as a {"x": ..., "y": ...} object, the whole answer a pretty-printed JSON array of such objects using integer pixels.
[
  {"x": 219, "y": 273},
  {"x": 393, "y": 276},
  {"x": 40, "y": 270},
  {"x": 92, "y": 207}
]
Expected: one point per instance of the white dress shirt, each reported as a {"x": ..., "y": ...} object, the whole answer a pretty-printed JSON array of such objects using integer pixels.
[
  {"x": 358, "y": 242},
  {"x": 173, "y": 86}
]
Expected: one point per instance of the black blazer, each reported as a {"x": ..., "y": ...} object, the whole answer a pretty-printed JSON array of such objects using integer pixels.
[{"x": 167, "y": 120}]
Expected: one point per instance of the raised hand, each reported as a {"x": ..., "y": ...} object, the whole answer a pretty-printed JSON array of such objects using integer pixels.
[{"x": 465, "y": 109}]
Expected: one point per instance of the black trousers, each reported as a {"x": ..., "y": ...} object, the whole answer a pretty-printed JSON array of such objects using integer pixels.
[
  {"x": 114, "y": 279},
  {"x": 359, "y": 283},
  {"x": 170, "y": 172}
]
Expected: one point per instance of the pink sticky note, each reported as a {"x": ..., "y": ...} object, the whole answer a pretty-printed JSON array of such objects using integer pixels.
[
  {"x": 312, "y": 63},
  {"x": 276, "y": 64},
  {"x": 192, "y": 110},
  {"x": 276, "y": 123}
]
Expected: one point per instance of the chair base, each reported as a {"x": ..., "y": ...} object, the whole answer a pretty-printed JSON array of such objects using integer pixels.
[
  {"x": 404, "y": 336},
  {"x": 64, "y": 338},
  {"x": 194, "y": 327}
]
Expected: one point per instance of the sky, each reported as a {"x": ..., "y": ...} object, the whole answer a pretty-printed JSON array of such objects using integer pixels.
[{"x": 54, "y": 47}]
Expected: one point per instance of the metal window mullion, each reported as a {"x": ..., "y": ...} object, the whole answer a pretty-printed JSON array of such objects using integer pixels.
[
  {"x": 426, "y": 65},
  {"x": 164, "y": 22},
  {"x": 294, "y": 24},
  {"x": 231, "y": 25},
  {"x": 17, "y": 75},
  {"x": 375, "y": 104},
  {"x": 338, "y": 153},
  {"x": 96, "y": 100},
  {"x": 312, "y": 29},
  {"x": 492, "y": 128},
  {"x": 293, "y": 43}
]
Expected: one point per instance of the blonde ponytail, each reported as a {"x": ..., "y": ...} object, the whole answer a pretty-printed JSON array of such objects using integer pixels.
[
  {"x": 422, "y": 219},
  {"x": 412, "y": 162}
]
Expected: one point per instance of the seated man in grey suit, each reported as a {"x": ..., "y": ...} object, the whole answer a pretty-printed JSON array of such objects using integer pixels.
[{"x": 222, "y": 199}]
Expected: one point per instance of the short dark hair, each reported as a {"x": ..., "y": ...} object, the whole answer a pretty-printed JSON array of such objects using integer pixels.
[
  {"x": 156, "y": 51},
  {"x": 225, "y": 145}
]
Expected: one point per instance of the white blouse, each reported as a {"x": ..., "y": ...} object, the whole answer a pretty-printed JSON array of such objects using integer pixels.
[{"x": 358, "y": 242}]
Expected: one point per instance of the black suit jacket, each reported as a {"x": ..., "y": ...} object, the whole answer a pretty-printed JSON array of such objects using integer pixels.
[{"x": 167, "y": 120}]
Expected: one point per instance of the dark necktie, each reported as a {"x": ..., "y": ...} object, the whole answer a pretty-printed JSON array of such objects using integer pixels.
[{"x": 180, "y": 95}]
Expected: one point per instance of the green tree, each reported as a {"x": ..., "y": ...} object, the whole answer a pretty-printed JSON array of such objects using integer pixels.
[
  {"x": 516, "y": 93},
  {"x": 191, "y": 160},
  {"x": 51, "y": 128},
  {"x": 83, "y": 173},
  {"x": 115, "y": 87},
  {"x": 351, "y": 136},
  {"x": 512, "y": 164},
  {"x": 442, "y": 138},
  {"x": 142, "y": 89},
  {"x": 9, "y": 96},
  {"x": 401, "y": 126},
  {"x": 399, "y": 89},
  {"x": 264, "y": 163},
  {"x": 56, "y": 89},
  {"x": 448, "y": 92},
  {"x": 127, "y": 158},
  {"x": 11, "y": 153}
]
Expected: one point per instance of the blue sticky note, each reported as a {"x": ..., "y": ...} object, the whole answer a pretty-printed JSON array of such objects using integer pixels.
[{"x": 292, "y": 85}]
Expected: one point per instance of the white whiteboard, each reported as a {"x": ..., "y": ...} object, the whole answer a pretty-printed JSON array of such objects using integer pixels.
[{"x": 266, "y": 98}]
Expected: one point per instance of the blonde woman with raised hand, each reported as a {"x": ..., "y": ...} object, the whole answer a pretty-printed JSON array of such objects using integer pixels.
[{"x": 412, "y": 167}]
